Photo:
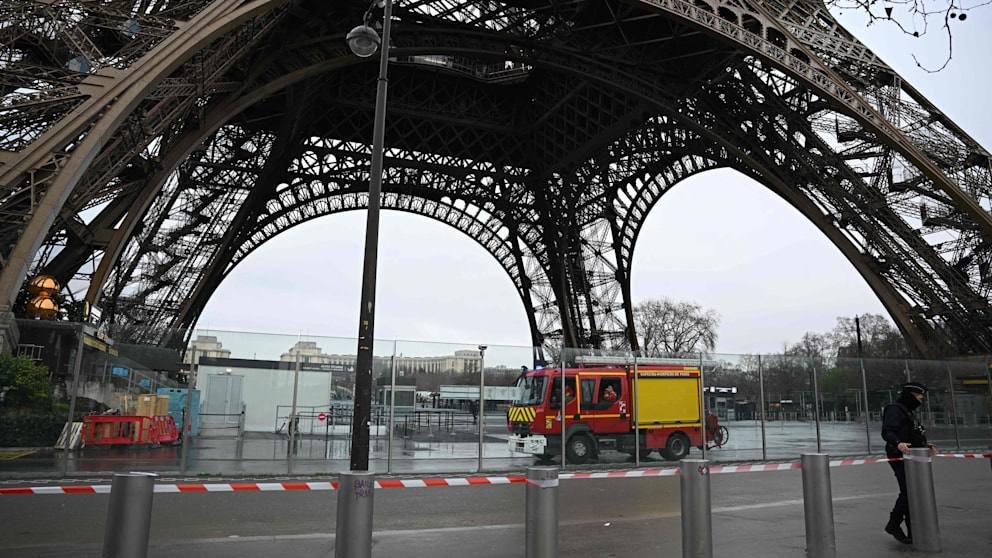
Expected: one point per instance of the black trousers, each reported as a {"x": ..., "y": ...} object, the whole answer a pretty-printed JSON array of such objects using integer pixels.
[{"x": 900, "y": 511}]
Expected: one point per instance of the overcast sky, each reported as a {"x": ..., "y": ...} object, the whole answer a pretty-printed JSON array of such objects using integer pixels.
[{"x": 718, "y": 239}]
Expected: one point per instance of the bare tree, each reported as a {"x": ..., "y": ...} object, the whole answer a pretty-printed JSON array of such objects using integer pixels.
[
  {"x": 879, "y": 338},
  {"x": 915, "y": 17},
  {"x": 668, "y": 327}
]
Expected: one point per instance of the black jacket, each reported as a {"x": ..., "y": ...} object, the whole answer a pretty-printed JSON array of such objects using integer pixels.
[{"x": 899, "y": 425}]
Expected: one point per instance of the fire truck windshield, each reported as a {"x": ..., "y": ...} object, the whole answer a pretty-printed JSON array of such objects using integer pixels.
[{"x": 530, "y": 390}]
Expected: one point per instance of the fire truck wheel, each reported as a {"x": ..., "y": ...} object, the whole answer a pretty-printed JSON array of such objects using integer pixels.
[
  {"x": 579, "y": 449},
  {"x": 676, "y": 448}
]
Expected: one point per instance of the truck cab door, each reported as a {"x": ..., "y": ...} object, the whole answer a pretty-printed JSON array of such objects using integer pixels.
[
  {"x": 571, "y": 411},
  {"x": 605, "y": 403}
]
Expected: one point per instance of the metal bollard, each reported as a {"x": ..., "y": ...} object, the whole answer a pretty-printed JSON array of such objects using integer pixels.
[
  {"x": 818, "y": 506},
  {"x": 353, "y": 532},
  {"x": 542, "y": 512},
  {"x": 697, "y": 528},
  {"x": 922, "y": 503},
  {"x": 129, "y": 516}
]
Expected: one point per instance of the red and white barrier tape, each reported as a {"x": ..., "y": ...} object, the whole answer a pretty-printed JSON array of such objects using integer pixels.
[
  {"x": 270, "y": 486},
  {"x": 455, "y": 481},
  {"x": 863, "y": 461}
]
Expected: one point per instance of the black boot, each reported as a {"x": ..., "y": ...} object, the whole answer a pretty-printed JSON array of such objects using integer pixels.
[{"x": 893, "y": 528}]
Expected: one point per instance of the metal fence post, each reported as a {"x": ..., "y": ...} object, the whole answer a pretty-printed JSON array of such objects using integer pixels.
[
  {"x": 392, "y": 408},
  {"x": 818, "y": 506},
  {"x": 542, "y": 512},
  {"x": 241, "y": 423},
  {"x": 954, "y": 407},
  {"x": 187, "y": 437},
  {"x": 816, "y": 409},
  {"x": 702, "y": 410},
  {"x": 129, "y": 516},
  {"x": 633, "y": 414},
  {"x": 564, "y": 452},
  {"x": 697, "y": 528},
  {"x": 76, "y": 366},
  {"x": 864, "y": 387},
  {"x": 482, "y": 404},
  {"x": 988, "y": 383},
  {"x": 763, "y": 404},
  {"x": 293, "y": 423},
  {"x": 353, "y": 531},
  {"x": 922, "y": 503}
]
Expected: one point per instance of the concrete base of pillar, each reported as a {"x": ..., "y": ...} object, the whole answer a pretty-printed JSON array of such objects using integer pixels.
[{"x": 9, "y": 333}]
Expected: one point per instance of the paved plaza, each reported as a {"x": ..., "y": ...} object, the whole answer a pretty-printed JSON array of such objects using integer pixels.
[{"x": 453, "y": 452}]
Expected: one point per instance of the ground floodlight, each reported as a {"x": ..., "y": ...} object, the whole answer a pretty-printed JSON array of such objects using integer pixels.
[{"x": 363, "y": 41}]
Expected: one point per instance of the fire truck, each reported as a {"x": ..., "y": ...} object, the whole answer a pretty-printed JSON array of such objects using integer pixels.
[{"x": 601, "y": 411}]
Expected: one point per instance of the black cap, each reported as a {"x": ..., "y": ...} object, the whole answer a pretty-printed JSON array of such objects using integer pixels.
[{"x": 915, "y": 387}]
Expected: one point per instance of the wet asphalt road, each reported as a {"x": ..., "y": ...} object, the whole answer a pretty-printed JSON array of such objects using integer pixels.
[{"x": 755, "y": 514}]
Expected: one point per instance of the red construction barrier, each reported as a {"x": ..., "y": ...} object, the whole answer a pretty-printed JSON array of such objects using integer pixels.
[{"x": 112, "y": 430}]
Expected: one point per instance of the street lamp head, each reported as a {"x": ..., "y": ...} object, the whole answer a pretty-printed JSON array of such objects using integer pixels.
[
  {"x": 363, "y": 41},
  {"x": 482, "y": 348}
]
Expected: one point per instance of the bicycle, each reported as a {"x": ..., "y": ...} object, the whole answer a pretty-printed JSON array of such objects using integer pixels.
[{"x": 719, "y": 436}]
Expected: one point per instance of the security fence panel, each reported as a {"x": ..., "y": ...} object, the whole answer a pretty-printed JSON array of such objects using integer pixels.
[
  {"x": 506, "y": 371},
  {"x": 532, "y": 409},
  {"x": 384, "y": 356},
  {"x": 78, "y": 402},
  {"x": 937, "y": 412},
  {"x": 970, "y": 403},
  {"x": 841, "y": 401},
  {"x": 36, "y": 388},
  {"x": 732, "y": 407},
  {"x": 252, "y": 403},
  {"x": 872, "y": 384},
  {"x": 246, "y": 384},
  {"x": 436, "y": 419},
  {"x": 791, "y": 405}
]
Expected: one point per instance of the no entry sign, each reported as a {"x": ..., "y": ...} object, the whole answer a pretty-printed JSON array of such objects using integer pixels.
[{"x": 321, "y": 417}]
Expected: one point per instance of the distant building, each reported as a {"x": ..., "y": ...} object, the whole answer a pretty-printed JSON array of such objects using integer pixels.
[
  {"x": 308, "y": 353},
  {"x": 460, "y": 362},
  {"x": 467, "y": 360},
  {"x": 204, "y": 346}
]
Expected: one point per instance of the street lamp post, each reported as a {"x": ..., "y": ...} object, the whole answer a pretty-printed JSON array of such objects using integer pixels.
[{"x": 363, "y": 41}]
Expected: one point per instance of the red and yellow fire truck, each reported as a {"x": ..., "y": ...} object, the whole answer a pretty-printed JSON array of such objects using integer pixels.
[{"x": 601, "y": 411}]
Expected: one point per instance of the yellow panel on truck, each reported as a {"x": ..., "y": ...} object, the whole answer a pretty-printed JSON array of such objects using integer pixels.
[{"x": 668, "y": 397}]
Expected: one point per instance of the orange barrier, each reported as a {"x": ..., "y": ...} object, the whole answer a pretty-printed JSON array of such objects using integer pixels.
[{"x": 110, "y": 430}]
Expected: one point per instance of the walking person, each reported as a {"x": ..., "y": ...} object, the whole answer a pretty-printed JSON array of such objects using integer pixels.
[{"x": 901, "y": 431}]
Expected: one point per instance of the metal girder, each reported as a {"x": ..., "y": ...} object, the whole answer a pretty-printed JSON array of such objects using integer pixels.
[
  {"x": 546, "y": 131},
  {"x": 85, "y": 131}
]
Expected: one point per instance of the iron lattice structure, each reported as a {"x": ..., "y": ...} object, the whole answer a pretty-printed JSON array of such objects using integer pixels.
[{"x": 149, "y": 146}]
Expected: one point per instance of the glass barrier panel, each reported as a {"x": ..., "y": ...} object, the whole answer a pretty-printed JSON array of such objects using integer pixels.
[
  {"x": 969, "y": 389},
  {"x": 123, "y": 419},
  {"x": 732, "y": 407},
  {"x": 791, "y": 427},
  {"x": 936, "y": 413},
  {"x": 130, "y": 405},
  {"x": 842, "y": 420},
  {"x": 439, "y": 431},
  {"x": 504, "y": 367}
]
